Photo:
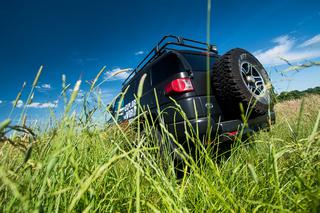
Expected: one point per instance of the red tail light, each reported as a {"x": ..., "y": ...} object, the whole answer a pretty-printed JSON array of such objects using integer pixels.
[
  {"x": 232, "y": 133},
  {"x": 179, "y": 85}
]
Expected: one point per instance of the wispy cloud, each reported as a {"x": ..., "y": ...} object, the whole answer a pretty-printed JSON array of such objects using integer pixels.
[
  {"x": 117, "y": 74},
  {"x": 139, "y": 52},
  {"x": 19, "y": 103},
  {"x": 81, "y": 93},
  {"x": 38, "y": 105},
  {"x": 1, "y": 101},
  {"x": 106, "y": 96},
  {"x": 82, "y": 59},
  {"x": 44, "y": 86},
  {"x": 286, "y": 47},
  {"x": 312, "y": 41}
]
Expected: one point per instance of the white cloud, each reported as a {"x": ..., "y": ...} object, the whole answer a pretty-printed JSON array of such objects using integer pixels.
[
  {"x": 43, "y": 86},
  {"x": 285, "y": 48},
  {"x": 46, "y": 86},
  {"x": 39, "y": 105},
  {"x": 80, "y": 92},
  {"x": 1, "y": 102},
  {"x": 312, "y": 41},
  {"x": 117, "y": 74},
  {"x": 139, "y": 52},
  {"x": 19, "y": 103}
]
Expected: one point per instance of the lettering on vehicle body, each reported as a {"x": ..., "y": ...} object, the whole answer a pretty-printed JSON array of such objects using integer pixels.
[{"x": 130, "y": 109}]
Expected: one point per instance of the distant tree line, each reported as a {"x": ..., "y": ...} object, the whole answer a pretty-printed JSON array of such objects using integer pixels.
[{"x": 295, "y": 94}]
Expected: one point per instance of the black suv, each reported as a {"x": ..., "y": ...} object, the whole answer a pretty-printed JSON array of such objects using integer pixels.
[{"x": 176, "y": 74}]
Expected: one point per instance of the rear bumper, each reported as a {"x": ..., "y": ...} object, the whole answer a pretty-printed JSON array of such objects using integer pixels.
[{"x": 201, "y": 125}]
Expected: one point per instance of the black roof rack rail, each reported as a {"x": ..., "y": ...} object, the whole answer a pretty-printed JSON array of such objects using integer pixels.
[{"x": 178, "y": 41}]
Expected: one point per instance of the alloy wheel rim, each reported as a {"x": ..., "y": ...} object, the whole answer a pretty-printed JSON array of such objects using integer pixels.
[{"x": 252, "y": 79}]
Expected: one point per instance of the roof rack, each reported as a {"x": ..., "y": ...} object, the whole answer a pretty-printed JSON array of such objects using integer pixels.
[{"x": 161, "y": 46}]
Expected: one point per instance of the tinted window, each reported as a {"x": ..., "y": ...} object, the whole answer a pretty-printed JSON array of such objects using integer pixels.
[
  {"x": 198, "y": 62},
  {"x": 165, "y": 68}
]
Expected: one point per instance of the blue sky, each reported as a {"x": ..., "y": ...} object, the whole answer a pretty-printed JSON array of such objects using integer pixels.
[{"x": 78, "y": 38}]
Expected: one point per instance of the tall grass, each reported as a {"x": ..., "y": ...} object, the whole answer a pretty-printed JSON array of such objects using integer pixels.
[
  {"x": 75, "y": 166},
  {"x": 72, "y": 167}
]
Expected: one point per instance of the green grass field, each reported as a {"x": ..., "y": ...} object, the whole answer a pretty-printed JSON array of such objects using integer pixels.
[{"x": 76, "y": 167}]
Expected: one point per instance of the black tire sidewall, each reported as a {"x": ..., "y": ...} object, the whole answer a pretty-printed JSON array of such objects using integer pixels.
[
  {"x": 239, "y": 56},
  {"x": 231, "y": 90}
]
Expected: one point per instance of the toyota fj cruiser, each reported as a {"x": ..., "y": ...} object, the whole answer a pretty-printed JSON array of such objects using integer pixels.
[{"x": 176, "y": 73}]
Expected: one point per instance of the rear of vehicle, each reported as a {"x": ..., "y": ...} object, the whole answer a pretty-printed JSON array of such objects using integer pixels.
[
  {"x": 181, "y": 76},
  {"x": 177, "y": 83},
  {"x": 185, "y": 81}
]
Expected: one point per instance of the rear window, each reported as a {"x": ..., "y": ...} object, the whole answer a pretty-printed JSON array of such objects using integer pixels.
[
  {"x": 198, "y": 62},
  {"x": 165, "y": 68}
]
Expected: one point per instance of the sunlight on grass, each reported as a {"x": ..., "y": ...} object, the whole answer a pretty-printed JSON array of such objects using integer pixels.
[
  {"x": 76, "y": 166},
  {"x": 71, "y": 167}
]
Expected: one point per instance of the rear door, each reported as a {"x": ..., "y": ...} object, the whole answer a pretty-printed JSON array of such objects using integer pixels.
[
  {"x": 169, "y": 68},
  {"x": 163, "y": 71},
  {"x": 198, "y": 63}
]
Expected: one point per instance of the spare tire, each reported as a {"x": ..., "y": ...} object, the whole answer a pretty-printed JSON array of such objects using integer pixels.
[{"x": 238, "y": 77}]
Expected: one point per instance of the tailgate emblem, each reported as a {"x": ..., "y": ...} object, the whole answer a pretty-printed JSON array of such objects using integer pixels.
[{"x": 209, "y": 105}]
